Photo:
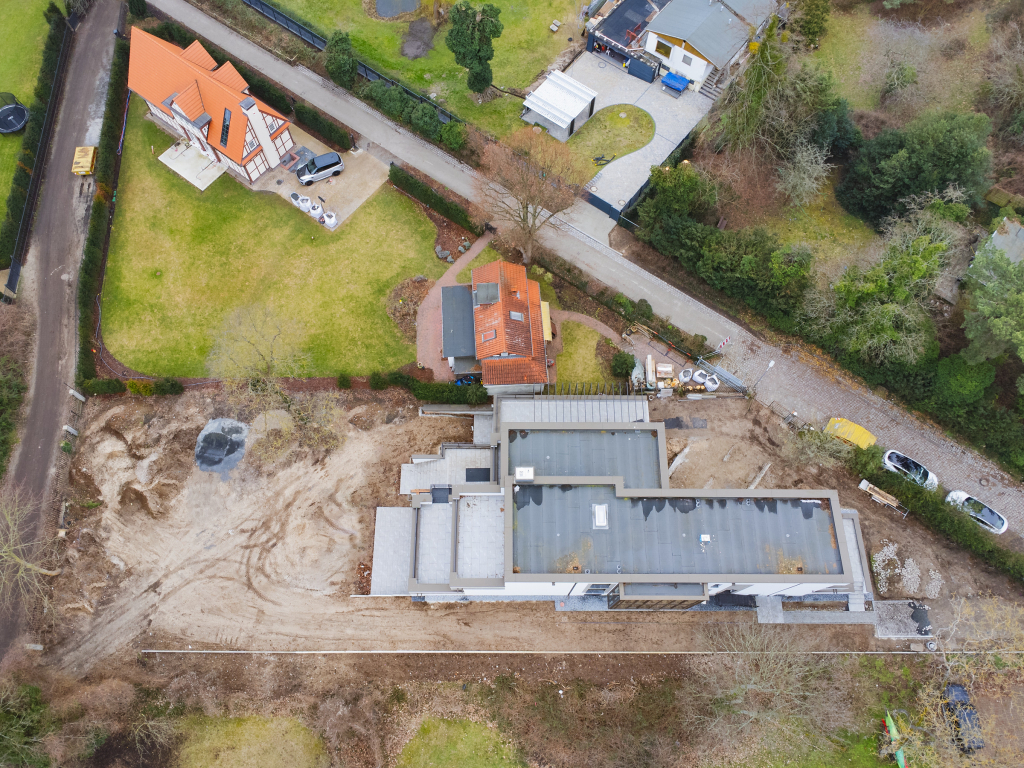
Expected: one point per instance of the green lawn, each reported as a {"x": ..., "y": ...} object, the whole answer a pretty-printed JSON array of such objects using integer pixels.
[
  {"x": 486, "y": 256},
  {"x": 180, "y": 261},
  {"x": 824, "y": 225},
  {"x": 579, "y": 361},
  {"x": 841, "y": 51},
  {"x": 547, "y": 290},
  {"x": 241, "y": 742},
  {"x": 612, "y": 136},
  {"x": 462, "y": 743},
  {"x": 522, "y": 52},
  {"x": 22, "y": 34}
]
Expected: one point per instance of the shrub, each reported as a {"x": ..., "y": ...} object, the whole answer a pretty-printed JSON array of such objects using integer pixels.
[
  {"x": 340, "y": 60},
  {"x": 344, "y": 381},
  {"x": 426, "y": 121},
  {"x": 803, "y": 175},
  {"x": 168, "y": 386},
  {"x": 438, "y": 391},
  {"x": 378, "y": 381},
  {"x": 813, "y": 20},
  {"x": 426, "y": 195},
  {"x": 644, "y": 309},
  {"x": 454, "y": 135},
  {"x": 103, "y": 386},
  {"x": 141, "y": 388},
  {"x": 321, "y": 124},
  {"x": 960, "y": 383},
  {"x": 625, "y": 304},
  {"x": 623, "y": 364},
  {"x": 929, "y": 155},
  {"x": 138, "y": 9}
]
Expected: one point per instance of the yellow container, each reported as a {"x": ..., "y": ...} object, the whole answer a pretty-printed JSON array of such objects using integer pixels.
[
  {"x": 851, "y": 433},
  {"x": 85, "y": 161}
]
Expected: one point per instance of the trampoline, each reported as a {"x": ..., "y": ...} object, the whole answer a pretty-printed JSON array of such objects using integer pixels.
[{"x": 13, "y": 114}]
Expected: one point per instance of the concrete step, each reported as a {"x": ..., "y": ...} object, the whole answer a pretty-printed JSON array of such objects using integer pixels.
[{"x": 769, "y": 610}]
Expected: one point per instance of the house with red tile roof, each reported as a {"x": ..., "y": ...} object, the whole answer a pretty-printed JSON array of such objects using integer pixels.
[
  {"x": 496, "y": 329},
  {"x": 208, "y": 105}
]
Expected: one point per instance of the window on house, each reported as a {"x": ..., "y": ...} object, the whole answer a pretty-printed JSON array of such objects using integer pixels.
[
  {"x": 662, "y": 49},
  {"x": 488, "y": 335},
  {"x": 225, "y": 127},
  {"x": 251, "y": 143},
  {"x": 273, "y": 123},
  {"x": 516, "y": 315},
  {"x": 687, "y": 60}
]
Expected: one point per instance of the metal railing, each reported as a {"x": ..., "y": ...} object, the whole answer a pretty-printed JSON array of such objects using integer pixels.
[
  {"x": 286, "y": 21},
  {"x": 42, "y": 152}
]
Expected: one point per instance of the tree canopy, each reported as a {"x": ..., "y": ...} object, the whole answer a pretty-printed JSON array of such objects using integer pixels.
[
  {"x": 995, "y": 324},
  {"x": 929, "y": 155},
  {"x": 470, "y": 39},
  {"x": 340, "y": 60}
]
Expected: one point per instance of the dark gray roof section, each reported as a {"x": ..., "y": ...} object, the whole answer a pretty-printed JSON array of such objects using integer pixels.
[
  {"x": 673, "y": 589},
  {"x": 712, "y": 29},
  {"x": 457, "y": 322},
  {"x": 554, "y": 530},
  {"x": 485, "y": 293},
  {"x": 592, "y": 410},
  {"x": 628, "y": 453}
]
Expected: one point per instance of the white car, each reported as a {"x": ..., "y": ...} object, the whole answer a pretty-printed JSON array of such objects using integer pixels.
[
  {"x": 983, "y": 515},
  {"x": 895, "y": 461}
]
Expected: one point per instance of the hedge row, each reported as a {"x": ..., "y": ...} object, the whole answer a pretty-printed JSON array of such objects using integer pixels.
[
  {"x": 426, "y": 195},
  {"x": 429, "y": 391},
  {"x": 17, "y": 198},
  {"x": 931, "y": 508},
  {"x": 319, "y": 123},
  {"x": 259, "y": 86},
  {"x": 106, "y": 166}
]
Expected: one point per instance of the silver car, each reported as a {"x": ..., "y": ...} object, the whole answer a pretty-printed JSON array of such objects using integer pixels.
[
  {"x": 320, "y": 167},
  {"x": 983, "y": 515},
  {"x": 914, "y": 471}
]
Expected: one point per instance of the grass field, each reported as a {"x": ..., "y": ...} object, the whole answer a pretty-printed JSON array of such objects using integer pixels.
[
  {"x": 524, "y": 49},
  {"x": 461, "y": 743},
  {"x": 612, "y": 136},
  {"x": 830, "y": 231},
  {"x": 240, "y": 742},
  {"x": 22, "y": 33},
  {"x": 579, "y": 361},
  {"x": 180, "y": 261}
]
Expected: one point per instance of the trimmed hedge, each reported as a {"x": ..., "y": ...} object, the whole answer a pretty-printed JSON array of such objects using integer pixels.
[
  {"x": 931, "y": 508},
  {"x": 344, "y": 381},
  {"x": 321, "y": 124},
  {"x": 439, "y": 391},
  {"x": 99, "y": 220},
  {"x": 17, "y": 197},
  {"x": 259, "y": 86},
  {"x": 426, "y": 195},
  {"x": 103, "y": 386},
  {"x": 168, "y": 386}
]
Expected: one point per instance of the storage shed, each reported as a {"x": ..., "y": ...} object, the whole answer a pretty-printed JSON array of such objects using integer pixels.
[{"x": 560, "y": 104}]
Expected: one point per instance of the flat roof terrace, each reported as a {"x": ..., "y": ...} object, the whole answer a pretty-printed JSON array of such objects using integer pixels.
[
  {"x": 633, "y": 454},
  {"x": 562, "y": 529},
  {"x": 627, "y": 21}
]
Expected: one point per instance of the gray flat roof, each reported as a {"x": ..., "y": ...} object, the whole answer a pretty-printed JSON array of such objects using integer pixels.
[
  {"x": 457, "y": 322},
  {"x": 628, "y": 453},
  {"x": 596, "y": 409},
  {"x": 553, "y": 530}
]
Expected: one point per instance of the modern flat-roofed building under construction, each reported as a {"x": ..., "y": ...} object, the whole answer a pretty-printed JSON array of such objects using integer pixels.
[{"x": 562, "y": 497}]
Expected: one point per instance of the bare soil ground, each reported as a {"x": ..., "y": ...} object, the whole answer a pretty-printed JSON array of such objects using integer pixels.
[{"x": 269, "y": 560}]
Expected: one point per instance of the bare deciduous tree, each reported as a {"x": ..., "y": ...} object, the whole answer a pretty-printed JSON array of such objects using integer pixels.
[
  {"x": 257, "y": 343},
  {"x": 803, "y": 175},
  {"x": 527, "y": 180},
  {"x": 22, "y": 575}
]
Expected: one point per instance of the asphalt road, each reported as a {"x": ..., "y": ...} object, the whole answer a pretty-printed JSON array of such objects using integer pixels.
[{"x": 50, "y": 278}]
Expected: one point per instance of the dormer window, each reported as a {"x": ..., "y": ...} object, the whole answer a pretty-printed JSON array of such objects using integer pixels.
[
  {"x": 225, "y": 127},
  {"x": 516, "y": 316}
]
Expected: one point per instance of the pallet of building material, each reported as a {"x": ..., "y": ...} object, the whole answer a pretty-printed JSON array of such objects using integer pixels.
[{"x": 877, "y": 494}]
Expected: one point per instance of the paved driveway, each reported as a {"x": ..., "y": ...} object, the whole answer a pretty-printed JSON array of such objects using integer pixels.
[{"x": 673, "y": 120}]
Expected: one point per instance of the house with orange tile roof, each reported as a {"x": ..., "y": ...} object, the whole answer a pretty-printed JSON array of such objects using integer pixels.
[
  {"x": 208, "y": 105},
  {"x": 496, "y": 329}
]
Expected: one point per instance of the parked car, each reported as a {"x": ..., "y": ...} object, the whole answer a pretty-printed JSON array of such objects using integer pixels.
[
  {"x": 984, "y": 515},
  {"x": 320, "y": 167},
  {"x": 914, "y": 471},
  {"x": 962, "y": 718},
  {"x": 850, "y": 433}
]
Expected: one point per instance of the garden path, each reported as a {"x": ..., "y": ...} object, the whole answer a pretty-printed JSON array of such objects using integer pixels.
[{"x": 428, "y": 317}]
